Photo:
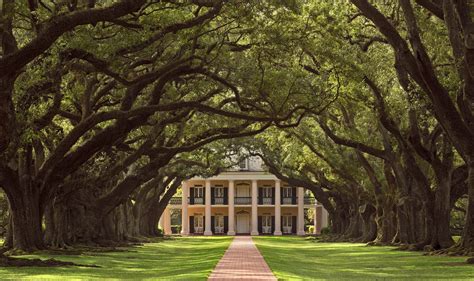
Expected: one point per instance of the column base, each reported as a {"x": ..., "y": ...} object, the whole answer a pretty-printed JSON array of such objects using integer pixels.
[
  {"x": 254, "y": 233},
  {"x": 184, "y": 233},
  {"x": 301, "y": 233},
  {"x": 231, "y": 233},
  {"x": 278, "y": 233},
  {"x": 207, "y": 233}
]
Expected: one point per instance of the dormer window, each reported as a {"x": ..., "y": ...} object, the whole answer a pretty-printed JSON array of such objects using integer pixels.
[{"x": 243, "y": 164}]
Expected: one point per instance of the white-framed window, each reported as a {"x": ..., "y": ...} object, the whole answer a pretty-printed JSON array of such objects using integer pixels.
[
  {"x": 198, "y": 224},
  {"x": 198, "y": 192},
  {"x": 287, "y": 224},
  {"x": 267, "y": 195},
  {"x": 219, "y": 224},
  {"x": 287, "y": 192},
  {"x": 267, "y": 224},
  {"x": 243, "y": 164},
  {"x": 267, "y": 192},
  {"x": 219, "y": 192}
]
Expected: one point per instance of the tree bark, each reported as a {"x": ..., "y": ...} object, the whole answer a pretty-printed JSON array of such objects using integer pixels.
[
  {"x": 26, "y": 222},
  {"x": 467, "y": 239}
]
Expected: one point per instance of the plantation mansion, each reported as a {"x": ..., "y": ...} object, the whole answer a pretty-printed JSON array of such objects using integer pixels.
[{"x": 243, "y": 200}]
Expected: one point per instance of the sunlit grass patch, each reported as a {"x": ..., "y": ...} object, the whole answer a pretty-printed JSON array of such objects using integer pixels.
[
  {"x": 293, "y": 258},
  {"x": 186, "y": 258}
]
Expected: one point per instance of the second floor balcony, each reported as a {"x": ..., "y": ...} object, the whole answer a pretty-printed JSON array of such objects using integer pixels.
[
  {"x": 243, "y": 200},
  {"x": 176, "y": 201},
  {"x": 309, "y": 200}
]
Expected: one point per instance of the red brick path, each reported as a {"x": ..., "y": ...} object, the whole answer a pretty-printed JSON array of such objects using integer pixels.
[{"x": 242, "y": 261}]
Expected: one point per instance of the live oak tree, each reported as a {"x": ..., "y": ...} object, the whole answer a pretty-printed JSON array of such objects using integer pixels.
[
  {"x": 141, "y": 85},
  {"x": 107, "y": 105}
]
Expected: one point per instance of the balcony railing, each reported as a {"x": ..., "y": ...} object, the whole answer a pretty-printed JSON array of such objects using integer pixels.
[
  {"x": 198, "y": 201},
  {"x": 267, "y": 229},
  {"x": 243, "y": 200},
  {"x": 175, "y": 201}
]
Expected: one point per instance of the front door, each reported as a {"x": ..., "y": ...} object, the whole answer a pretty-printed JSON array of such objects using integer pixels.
[
  {"x": 198, "y": 224},
  {"x": 243, "y": 191},
  {"x": 267, "y": 224},
  {"x": 243, "y": 223},
  {"x": 219, "y": 224},
  {"x": 287, "y": 224}
]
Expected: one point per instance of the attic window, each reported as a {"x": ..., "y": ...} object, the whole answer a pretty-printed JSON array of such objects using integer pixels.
[{"x": 243, "y": 164}]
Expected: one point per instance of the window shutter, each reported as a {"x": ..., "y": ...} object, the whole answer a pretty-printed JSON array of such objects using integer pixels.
[
  {"x": 226, "y": 224},
  {"x": 191, "y": 224},
  {"x": 293, "y": 195},
  {"x": 293, "y": 224},
  {"x": 226, "y": 196},
  {"x": 213, "y": 224},
  {"x": 273, "y": 196},
  {"x": 260, "y": 196},
  {"x": 191, "y": 196},
  {"x": 281, "y": 222},
  {"x": 260, "y": 228},
  {"x": 273, "y": 224},
  {"x": 213, "y": 196}
]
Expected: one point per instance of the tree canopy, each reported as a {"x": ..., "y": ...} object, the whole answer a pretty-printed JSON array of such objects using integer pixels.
[{"x": 106, "y": 106}]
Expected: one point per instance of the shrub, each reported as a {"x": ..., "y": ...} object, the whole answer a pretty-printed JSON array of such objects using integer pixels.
[
  {"x": 325, "y": 230},
  {"x": 311, "y": 229},
  {"x": 176, "y": 229}
]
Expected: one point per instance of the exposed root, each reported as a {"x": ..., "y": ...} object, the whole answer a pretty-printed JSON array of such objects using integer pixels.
[
  {"x": 378, "y": 243},
  {"x": 456, "y": 250}
]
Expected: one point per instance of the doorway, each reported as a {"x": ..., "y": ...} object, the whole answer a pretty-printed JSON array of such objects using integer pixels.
[{"x": 243, "y": 223}]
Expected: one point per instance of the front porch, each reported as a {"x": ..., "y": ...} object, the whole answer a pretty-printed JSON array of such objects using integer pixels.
[{"x": 219, "y": 222}]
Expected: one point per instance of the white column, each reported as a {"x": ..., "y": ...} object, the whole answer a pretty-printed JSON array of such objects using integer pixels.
[
  {"x": 300, "y": 224},
  {"x": 325, "y": 217},
  {"x": 184, "y": 209},
  {"x": 231, "y": 215},
  {"x": 161, "y": 222},
  {"x": 277, "y": 207},
  {"x": 167, "y": 222},
  {"x": 315, "y": 231},
  {"x": 254, "y": 208},
  {"x": 208, "y": 231},
  {"x": 318, "y": 220}
]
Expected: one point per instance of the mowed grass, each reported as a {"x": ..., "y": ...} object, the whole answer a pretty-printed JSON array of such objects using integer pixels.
[
  {"x": 295, "y": 258},
  {"x": 184, "y": 258}
]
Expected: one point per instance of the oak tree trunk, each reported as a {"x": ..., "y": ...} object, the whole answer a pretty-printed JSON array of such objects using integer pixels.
[{"x": 467, "y": 239}]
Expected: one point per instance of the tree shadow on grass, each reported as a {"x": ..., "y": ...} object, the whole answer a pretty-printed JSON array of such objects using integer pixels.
[
  {"x": 293, "y": 257},
  {"x": 184, "y": 258}
]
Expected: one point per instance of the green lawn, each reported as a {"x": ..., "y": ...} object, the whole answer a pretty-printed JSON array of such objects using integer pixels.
[
  {"x": 300, "y": 258},
  {"x": 190, "y": 258}
]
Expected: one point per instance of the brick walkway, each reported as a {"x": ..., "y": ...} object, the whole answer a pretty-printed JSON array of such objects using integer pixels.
[{"x": 242, "y": 261}]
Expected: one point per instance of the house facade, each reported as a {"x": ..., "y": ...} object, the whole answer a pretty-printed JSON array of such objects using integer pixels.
[{"x": 244, "y": 200}]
